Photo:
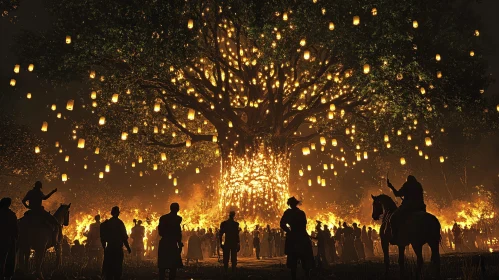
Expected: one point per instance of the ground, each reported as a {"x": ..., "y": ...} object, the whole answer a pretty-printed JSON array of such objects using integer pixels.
[{"x": 454, "y": 266}]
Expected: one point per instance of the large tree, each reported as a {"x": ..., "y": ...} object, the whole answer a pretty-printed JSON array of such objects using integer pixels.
[{"x": 250, "y": 80}]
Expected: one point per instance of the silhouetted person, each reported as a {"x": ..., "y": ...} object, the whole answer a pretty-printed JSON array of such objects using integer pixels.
[
  {"x": 170, "y": 245},
  {"x": 359, "y": 247},
  {"x": 231, "y": 246},
  {"x": 113, "y": 236},
  {"x": 33, "y": 201},
  {"x": 194, "y": 250},
  {"x": 458, "y": 237},
  {"x": 330, "y": 245},
  {"x": 210, "y": 237},
  {"x": 93, "y": 241},
  {"x": 368, "y": 242},
  {"x": 413, "y": 201},
  {"x": 321, "y": 244},
  {"x": 8, "y": 238},
  {"x": 298, "y": 244},
  {"x": 77, "y": 251},
  {"x": 349, "y": 253},
  {"x": 256, "y": 242},
  {"x": 137, "y": 235}
]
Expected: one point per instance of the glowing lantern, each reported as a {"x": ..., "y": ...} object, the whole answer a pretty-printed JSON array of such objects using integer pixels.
[
  {"x": 303, "y": 42},
  {"x": 309, "y": 182},
  {"x": 57, "y": 144},
  {"x": 163, "y": 156},
  {"x": 16, "y": 68},
  {"x": 230, "y": 124},
  {"x": 44, "y": 126},
  {"x": 331, "y": 25},
  {"x": 214, "y": 139},
  {"x": 97, "y": 151},
  {"x": 415, "y": 24},
  {"x": 399, "y": 132},
  {"x": 285, "y": 16},
  {"x": 156, "y": 130},
  {"x": 102, "y": 120},
  {"x": 93, "y": 95},
  {"x": 356, "y": 20},
  {"x": 427, "y": 141},
  {"x": 278, "y": 35},
  {"x": 174, "y": 181},
  {"x": 330, "y": 115},
  {"x": 477, "y": 33},
  {"x": 13, "y": 82},
  {"x": 92, "y": 74},
  {"x": 107, "y": 168},
  {"x": 402, "y": 161},
  {"x": 312, "y": 146},
  {"x": 135, "y": 130},
  {"x": 190, "y": 115},
  {"x": 81, "y": 143},
  {"x": 141, "y": 173},
  {"x": 114, "y": 98},
  {"x": 155, "y": 166},
  {"x": 124, "y": 136},
  {"x": 85, "y": 166},
  {"x": 306, "y": 55},
  {"x": 70, "y": 104},
  {"x": 197, "y": 170},
  {"x": 64, "y": 177},
  {"x": 323, "y": 141},
  {"x": 37, "y": 150},
  {"x": 439, "y": 74},
  {"x": 442, "y": 159},
  {"x": 325, "y": 166},
  {"x": 31, "y": 67},
  {"x": 334, "y": 142},
  {"x": 437, "y": 57},
  {"x": 358, "y": 156},
  {"x": 409, "y": 137},
  {"x": 157, "y": 107},
  {"x": 94, "y": 104},
  {"x": 68, "y": 39},
  {"x": 300, "y": 172},
  {"x": 190, "y": 23},
  {"x": 472, "y": 53},
  {"x": 59, "y": 115},
  {"x": 188, "y": 143},
  {"x": 133, "y": 163},
  {"x": 367, "y": 68},
  {"x": 497, "y": 107},
  {"x": 28, "y": 95},
  {"x": 323, "y": 182},
  {"x": 101, "y": 175},
  {"x": 388, "y": 145},
  {"x": 66, "y": 158},
  {"x": 176, "y": 191},
  {"x": 420, "y": 153},
  {"x": 386, "y": 138},
  {"x": 423, "y": 90},
  {"x": 54, "y": 107},
  {"x": 318, "y": 179},
  {"x": 140, "y": 159},
  {"x": 305, "y": 151},
  {"x": 374, "y": 11},
  {"x": 365, "y": 155},
  {"x": 309, "y": 167},
  {"x": 332, "y": 107}
]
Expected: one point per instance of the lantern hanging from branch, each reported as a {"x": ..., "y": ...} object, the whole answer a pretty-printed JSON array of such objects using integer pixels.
[{"x": 191, "y": 114}]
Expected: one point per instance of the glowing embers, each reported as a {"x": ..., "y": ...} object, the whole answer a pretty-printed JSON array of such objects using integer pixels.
[{"x": 256, "y": 186}]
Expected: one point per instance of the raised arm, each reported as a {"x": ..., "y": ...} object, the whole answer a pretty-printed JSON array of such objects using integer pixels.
[
  {"x": 396, "y": 192},
  {"x": 49, "y": 195}
]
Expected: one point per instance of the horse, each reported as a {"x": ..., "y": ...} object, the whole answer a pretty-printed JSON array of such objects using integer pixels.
[
  {"x": 420, "y": 228},
  {"x": 39, "y": 237}
]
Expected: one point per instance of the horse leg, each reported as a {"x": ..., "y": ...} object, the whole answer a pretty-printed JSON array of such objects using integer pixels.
[
  {"x": 418, "y": 250},
  {"x": 39, "y": 257},
  {"x": 401, "y": 260},
  {"x": 435, "y": 258},
  {"x": 386, "y": 255}
]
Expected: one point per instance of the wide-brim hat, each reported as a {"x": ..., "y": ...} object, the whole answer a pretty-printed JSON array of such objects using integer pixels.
[{"x": 293, "y": 201}]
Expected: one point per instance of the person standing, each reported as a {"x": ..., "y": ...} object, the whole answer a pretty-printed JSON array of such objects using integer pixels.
[
  {"x": 137, "y": 235},
  {"x": 93, "y": 242},
  {"x": 113, "y": 236},
  {"x": 170, "y": 245},
  {"x": 231, "y": 246},
  {"x": 298, "y": 244},
  {"x": 8, "y": 237},
  {"x": 256, "y": 242}
]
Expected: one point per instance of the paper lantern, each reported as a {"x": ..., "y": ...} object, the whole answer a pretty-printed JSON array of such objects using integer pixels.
[
  {"x": 306, "y": 55},
  {"x": 334, "y": 142},
  {"x": 230, "y": 124},
  {"x": 305, "y": 151},
  {"x": 66, "y": 158},
  {"x": 133, "y": 164},
  {"x": 300, "y": 172},
  {"x": 388, "y": 145},
  {"x": 285, "y": 16},
  {"x": 365, "y": 155},
  {"x": 197, "y": 170},
  {"x": 155, "y": 166},
  {"x": 57, "y": 144},
  {"x": 409, "y": 137},
  {"x": 278, "y": 35},
  {"x": 439, "y": 74},
  {"x": 81, "y": 143},
  {"x": 323, "y": 182},
  {"x": 102, "y": 120},
  {"x": 309, "y": 182},
  {"x": 156, "y": 130},
  {"x": 141, "y": 173},
  {"x": 420, "y": 152},
  {"x": 476, "y": 33},
  {"x": 174, "y": 181},
  {"x": 438, "y": 57},
  {"x": 217, "y": 152},
  {"x": 68, "y": 39},
  {"x": 53, "y": 107},
  {"x": 31, "y": 67},
  {"x": 85, "y": 166},
  {"x": 135, "y": 130},
  {"x": 13, "y": 82},
  {"x": 309, "y": 167},
  {"x": 426, "y": 157},
  {"x": 303, "y": 42},
  {"x": 374, "y": 11},
  {"x": 386, "y": 138},
  {"x": 64, "y": 177},
  {"x": 94, "y": 104},
  {"x": 157, "y": 107},
  {"x": 190, "y": 23},
  {"x": 59, "y": 115},
  {"x": 191, "y": 114},
  {"x": 399, "y": 132},
  {"x": 472, "y": 53},
  {"x": 188, "y": 143},
  {"x": 325, "y": 166},
  {"x": 92, "y": 74},
  {"x": 402, "y": 161},
  {"x": 176, "y": 191},
  {"x": 442, "y": 159},
  {"x": 114, "y": 98},
  {"x": 124, "y": 136},
  {"x": 312, "y": 146},
  {"x": 101, "y": 175},
  {"x": 70, "y": 104},
  {"x": 37, "y": 150},
  {"x": 45, "y": 126},
  {"x": 415, "y": 24},
  {"x": 140, "y": 159},
  {"x": 423, "y": 90},
  {"x": 93, "y": 95},
  {"x": 97, "y": 151},
  {"x": 163, "y": 156},
  {"x": 427, "y": 141},
  {"x": 497, "y": 107},
  {"x": 214, "y": 139},
  {"x": 331, "y": 25},
  {"x": 107, "y": 168},
  {"x": 356, "y": 20},
  {"x": 16, "y": 68},
  {"x": 367, "y": 68},
  {"x": 330, "y": 115},
  {"x": 323, "y": 140}
]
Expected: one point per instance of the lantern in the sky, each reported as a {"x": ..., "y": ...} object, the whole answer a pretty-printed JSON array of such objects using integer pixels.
[
  {"x": 101, "y": 175},
  {"x": 356, "y": 20},
  {"x": 190, "y": 23},
  {"x": 13, "y": 82},
  {"x": 306, "y": 55},
  {"x": 97, "y": 151},
  {"x": 102, "y": 120},
  {"x": 140, "y": 159},
  {"x": 386, "y": 138},
  {"x": 93, "y": 95},
  {"x": 157, "y": 107},
  {"x": 330, "y": 115},
  {"x": 323, "y": 182},
  {"x": 323, "y": 140},
  {"x": 439, "y": 74},
  {"x": 325, "y": 166},
  {"x": 374, "y": 11},
  {"x": 197, "y": 170},
  {"x": 331, "y": 25},
  {"x": 37, "y": 150},
  {"x": 31, "y": 67},
  {"x": 64, "y": 177},
  {"x": 188, "y": 143},
  {"x": 497, "y": 107},
  {"x": 285, "y": 16},
  {"x": 427, "y": 141},
  {"x": 230, "y": 124},
  {"x": 191, "y": 114},
  {"x": 309, "y": 167},
  {"x": 81, "y": 143},
  {"x": 135, "y": 130},
  {"x": 133, "y": 164},
  {"x": 59, "y": 115},
  {"x": 438, "y": 57},
  {"x": 388, "y": 145},
  {"x": 365, "y": 155},
  {"x": 300, "y": 172},
  {"x": 107, "y": 168},
  {"x": 92, "y": 74},
  {"x": 415, "y": 24},
  {"x": 423, "y": 90},
  {"x": 68, "y": 39},
  {"x": 312, "y": 146},
  {"x": 174, "y": 181},
  {"x": 114, "y": 98},
  {"x": 85, "y": 166},
  {"x": 334, "y": 142},
  {"x": 442, "y": 159},
  {"x": 45, "y": 126},
  {"x": 402, "y": 161},
  {"x": 53, "y": 107},
  {"x": 16, "y": 68},
  {"x": 305, "y": 151},
  {"x": 409, "y": 137},
  {"x": 367, "y": 68},
  {"x": 141, "y": 173},
  {"x": 124, "y": 136},
  {"x": 309, "y": 182},
  {"x": 214, "y": 139},
  {"x": 66, "y": 158},
  {"x": 70, "y": 104},
  {"x": 163, "y": 156},
  {"x": 155, "y": 166},
  {"x": 57, "y": 144},
  {"x": 176, "y": 191}
]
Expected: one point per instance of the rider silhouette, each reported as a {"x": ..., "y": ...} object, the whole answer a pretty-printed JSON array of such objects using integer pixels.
[{"x": 413, "y": 201}]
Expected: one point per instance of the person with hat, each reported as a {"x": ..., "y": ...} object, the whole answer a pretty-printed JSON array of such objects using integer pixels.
[
  {"x": 170, "y": 245},
  {"x": 231, "y": 246},
  {"x": 298, "y": 245},
  {"x": 113, "y": 236}
]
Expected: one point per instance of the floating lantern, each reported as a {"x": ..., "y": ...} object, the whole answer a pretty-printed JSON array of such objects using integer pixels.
[
  {"x": 157, "y": 107},
  {"x": 278, "y": 35},
  {"x": 176, "y": 191},
  {"x": 472, "y": 53},
  {"x": 124, "y": 136},
  {"x": 141, "y": 173},
  {"x": 197, "y": 170},
  {"x": 402, "y": 161},
  {"x": 325, "y": 166},
  {"x": 135, "y": 130},
  {"x": 94, "y": 104},
  {"x": 37, "y": 150},
  {"x": 28, "y": 95},
  {"x": 309, "y": 182},
  {"x": 323, "y": 140},
  {"x": 420, "y": 152},
  {"x": 442, "y": 159},
  {"x": 285, "y": 16},
  {"x": 16, "y": 68},
  {"x": 306, "y": 55},
  {"x": 57, "y": 144},
  {"x": 312, "y": 146},
  {"x": 59, "y": 115},
  {"x": 54, "y": 107},
  {"x": 92, "y": 74},
  {"x": 93, "y": 95},
  {"x": 476, "y": 33},
  {"x": 300, "y": 172},
  {"x": 163, "y": 156},
  {"x": 332, "y": 107},
  {"x": 399, "y": 132},
  {"x": 386, "y": 138},
  {"x": 13, "y": 82},
  {"x": 334, "y": 142},
  {"x": 439, "y": 74},
  {"x": 31, "y": 67},
  {"x": 214, "y": 139},
  {"x": 70, "y": 104},
  {"x": 438, "y": 57},
  {"x": 388, "y": 145},
  {"x": 497, "y": 107},
  {"x": 230, "y": 124},
  {"x": 303, "y": 42},
  {"x": 81, "y": 143},
  {"x": 107, "y": 168},
  {"x": 45, "y": 126},
  {"x": 415, "y": 24},
  {"x": 374, "y": 11},
  {"x": 427, "y": 141},
  {"x": 174, "y": 181},
  {"x": 331, "y": 26},
  {"x": 101, "y": 175},
  {"x": 190, "y": 23},
  {"x": 309, "y": 167},
  {"x": 356, "y": 20},
  {"x": 188, "y": 143},
  {"x": 365, "y": 155},
  {"x": 323, "y": 182},
  {"x": 305, "y": 151},
  {"x": 423, "y": 90},
  {"x": 66, "y": 158},
  {"x": 367, "y": 68},
  {"x": 330, "y": 115},
  {"x": 140, "y": 159},
  {"x": 191, "y": 114},
  {"x": 409, "y": 137},
  {"x": 357, "y": 155},
  {"x": 155, "y": 166},
  {"x": 102, "y": 120},
  {"x": 114, "y": 98},
  {"x": 64, "y": 177},
  {"x": 133, "y": 163},
  {"x": 68, "y": 39},
  {"x": 156, "y": 130},
  {"x": 97, "y": 151},
  {"x": 85, "y": 166}
]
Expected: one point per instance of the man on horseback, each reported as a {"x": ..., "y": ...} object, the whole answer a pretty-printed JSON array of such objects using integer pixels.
[
  {"x": 36, "y": 211},
  {"x": 413, "y": 201}
]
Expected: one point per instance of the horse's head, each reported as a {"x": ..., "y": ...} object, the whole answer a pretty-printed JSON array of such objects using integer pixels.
[
  {"x": 377, "y": 208},
  {"x": 62, "y": 214}
]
